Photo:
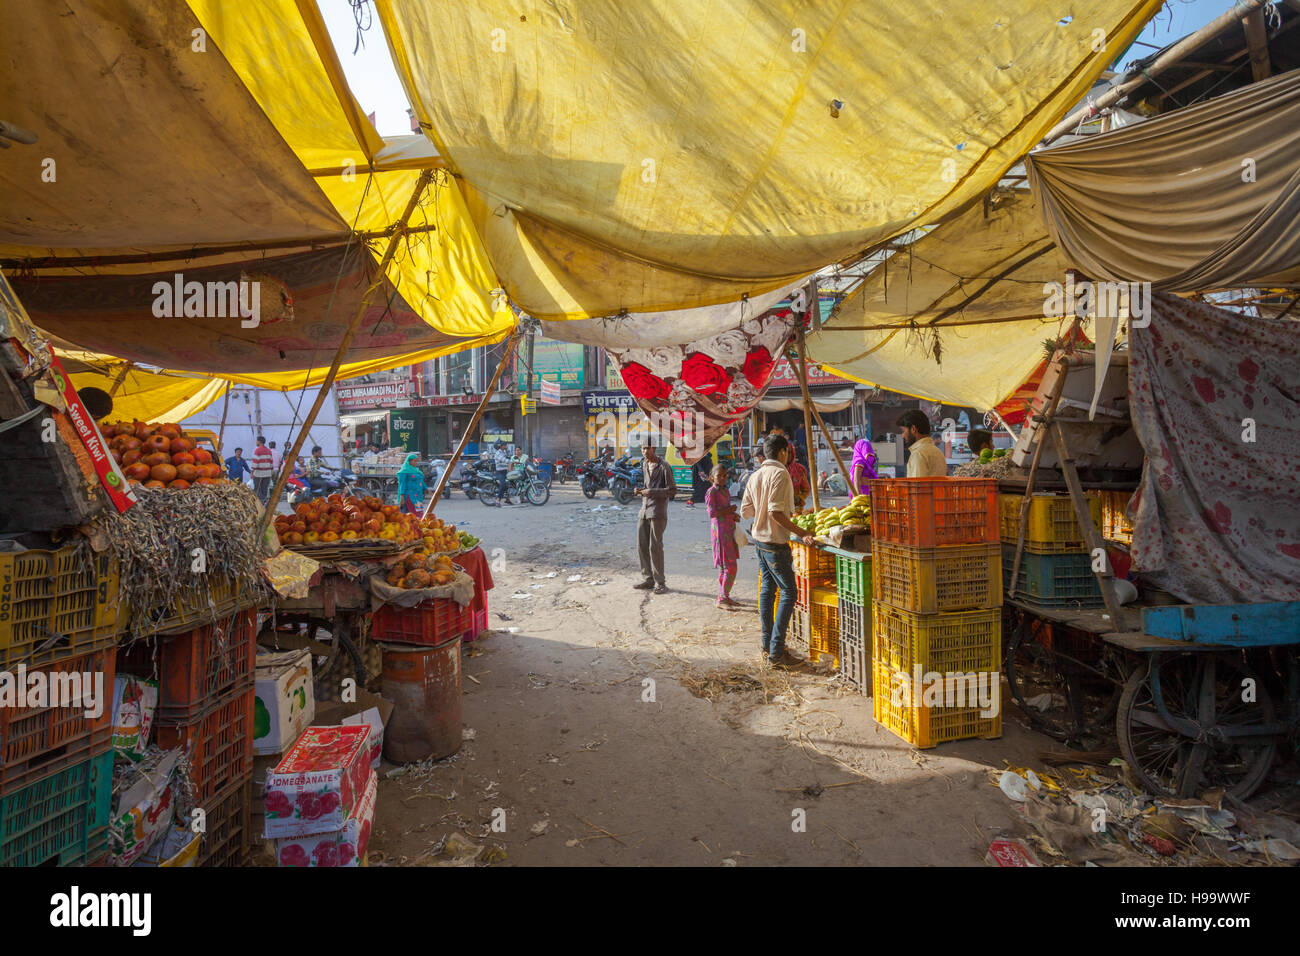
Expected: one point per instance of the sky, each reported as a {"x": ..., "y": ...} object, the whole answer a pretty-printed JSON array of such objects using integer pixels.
[{"x": 375, "y": 84}]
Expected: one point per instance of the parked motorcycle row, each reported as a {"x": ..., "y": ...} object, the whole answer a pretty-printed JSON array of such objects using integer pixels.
[{"x": 622, "y": 477}]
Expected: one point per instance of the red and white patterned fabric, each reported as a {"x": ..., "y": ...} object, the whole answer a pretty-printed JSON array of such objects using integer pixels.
[
  {"x": 706, "y": 386},
  {"x": 1216, "y": 518}
]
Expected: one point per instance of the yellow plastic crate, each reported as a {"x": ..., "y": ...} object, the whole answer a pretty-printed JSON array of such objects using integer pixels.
[
  {"x": 824, "y": 625},
  {"x": 56, "y": 604},
  {"x": 1114, "y": 526},
  {"x": 1053, "y": 527},
  {"x": 957, "y": 641},
  {"x": 797, "y": 636},
  {"x": 813, "y": 563},
  {"x": 928, "y": 580},
  {"x": 898, "y": 710}
]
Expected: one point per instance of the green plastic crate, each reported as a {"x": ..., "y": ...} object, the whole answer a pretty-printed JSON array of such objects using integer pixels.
[
  {"x": 60, "y": 820},
  {"x": 1053, "y": 580},
  {"x": 853, "y": 576}
]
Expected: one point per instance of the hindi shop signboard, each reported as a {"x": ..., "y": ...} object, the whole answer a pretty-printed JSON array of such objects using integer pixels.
[
  {"x": 401, "y": 430},
  {"x": 595, "y": 402},
  {"x": 783, "y": 376},
  {"x": 376, "y": 395}
]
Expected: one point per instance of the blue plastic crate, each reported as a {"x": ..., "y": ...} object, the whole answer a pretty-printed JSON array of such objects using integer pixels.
[
  {"x": 1052, "y": 580},
  {"x": 61, "y": 819}
]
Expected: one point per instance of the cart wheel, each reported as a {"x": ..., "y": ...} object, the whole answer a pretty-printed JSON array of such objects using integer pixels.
[
  {"x": 1080, "y": 703},
  {"x": 345, "y": 661},
  {"x": 1183, "y": 750}
]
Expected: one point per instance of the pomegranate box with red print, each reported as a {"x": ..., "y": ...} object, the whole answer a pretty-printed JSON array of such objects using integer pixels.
[
  {"x": 322, "y": 777},
  {"x": 345, "y": 847}
]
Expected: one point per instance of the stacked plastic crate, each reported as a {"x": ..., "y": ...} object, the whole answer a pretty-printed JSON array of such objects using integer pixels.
[
  {"x": 205, "y": 708},
  {"x": 936, "y": 608},
  {"x": 59, "y": 620},
  {"x": 1056, "y": 565},
  {"x": 853, "y": 585},
  {"x": 817, "y": 598}
]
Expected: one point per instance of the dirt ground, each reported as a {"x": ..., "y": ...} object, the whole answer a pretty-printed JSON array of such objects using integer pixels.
[{"x": 558, "y": 735}]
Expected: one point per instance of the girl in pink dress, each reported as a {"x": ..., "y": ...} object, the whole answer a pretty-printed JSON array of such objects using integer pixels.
[{"x": 723, "y": 518}]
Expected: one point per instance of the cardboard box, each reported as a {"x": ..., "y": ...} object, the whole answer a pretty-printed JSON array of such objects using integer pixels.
[
  {"x": 343, "y": 847},
  {"x": 319, "y": 781},
  {"x": 369, "y": 709},
  {"x": 285, "y": 704}
]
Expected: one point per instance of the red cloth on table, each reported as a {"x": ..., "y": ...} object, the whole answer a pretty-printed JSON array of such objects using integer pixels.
[{"x": 476, "y": 566}]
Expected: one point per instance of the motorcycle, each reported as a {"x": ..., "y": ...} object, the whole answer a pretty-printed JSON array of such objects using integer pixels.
[
  {"x": 522, "y": 482},
  {"x": 342, "y": 482},
  {"x": 624, "y": 479},
  {"x": 565, "y": 468},
  {"x": 592, "y": 476}
]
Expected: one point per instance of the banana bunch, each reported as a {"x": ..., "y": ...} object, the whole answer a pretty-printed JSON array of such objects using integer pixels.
[{"x": 856, "y": 512}]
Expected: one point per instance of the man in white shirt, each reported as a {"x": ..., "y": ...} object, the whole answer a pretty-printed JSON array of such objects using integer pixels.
[
  {"x": 501, "y": 463},
  {"x": 925, "y": 460},
  {"x": 769, "y": 500}
]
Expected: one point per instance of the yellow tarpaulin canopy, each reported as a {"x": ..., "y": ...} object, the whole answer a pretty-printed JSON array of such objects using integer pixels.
[
  {"x": 140, "y": 393},
  {"x": 173, "y": 129},
  {"x": 983, "y": 266},
  {"x": 674, "y": 154}
]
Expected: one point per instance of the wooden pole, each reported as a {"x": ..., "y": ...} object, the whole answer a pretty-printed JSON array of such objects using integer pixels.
[
  {"x": 473, "y": 422},
  {"x": 1135, "y": 78},
  {"x": 380, "y": 275},
  {"x": 225, "y": 409},
  {"x": 1105, "y": 577},
  {"x": 1045, "y": 422},
  {"x": 802, "y": 372},
  {"x": 117, "y": 382}
]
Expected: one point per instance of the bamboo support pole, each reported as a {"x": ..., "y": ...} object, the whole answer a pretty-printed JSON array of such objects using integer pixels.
[
  {"x": 473, "y": 422},
  {"x": 1135, "y": 78},
  {"x": 802, "y": 371},
  {"x": 398, "y": 230},
  {"x": 821, "y": 425}
]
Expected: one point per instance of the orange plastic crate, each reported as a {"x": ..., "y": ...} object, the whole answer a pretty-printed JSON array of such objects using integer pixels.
[
  {"x": 429, "y": 623},
  {"x": 220, "y": 745},
  {"x": 196, "y": 667},
  {"x": 933, "y": 512},
  {"x": 36, "y": 742}
]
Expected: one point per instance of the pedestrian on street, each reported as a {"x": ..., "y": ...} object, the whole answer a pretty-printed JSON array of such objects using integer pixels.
[
  {"x": 262, "y": 470},
  {"x": 276, "y": 460},
  {"x": 769, "y": 500},
  {"x": 799, "y": 479},
  {"x": 236, "y": 466},
  {"x": 410, "y": 486},
  {"x": 723, "y": 517},
  {"x": 658, "y": 491},
  {"x": 701, "y": 478}
]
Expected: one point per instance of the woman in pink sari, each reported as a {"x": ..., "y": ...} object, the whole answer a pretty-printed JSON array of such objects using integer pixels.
[
  {"x": 863, "y": 468},
  {"x": 723, "y": 518}
]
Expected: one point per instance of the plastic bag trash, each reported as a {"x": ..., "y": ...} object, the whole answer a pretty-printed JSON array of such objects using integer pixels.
[
  {"x": 519, "y": 595},
  {"x": 1045, "y": 701},
  {"x": 1033, "y": 781},
  {"x": 1277, "y": 849},
  {"x": 1013, "y": 786},
  {"x": 512, "y": 630},
  {"x": 573, "y": 577}
]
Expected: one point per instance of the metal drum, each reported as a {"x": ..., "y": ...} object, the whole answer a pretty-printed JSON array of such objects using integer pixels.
[{"x": 424, "y": 685}]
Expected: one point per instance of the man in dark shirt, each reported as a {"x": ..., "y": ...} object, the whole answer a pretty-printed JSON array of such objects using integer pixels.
[
  {"x": 237, "y": 467},
  {"x": 660, "y": 488}
]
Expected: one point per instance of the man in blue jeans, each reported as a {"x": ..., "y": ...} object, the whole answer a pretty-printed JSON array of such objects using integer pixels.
[{"x": 769, "y": 500}]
